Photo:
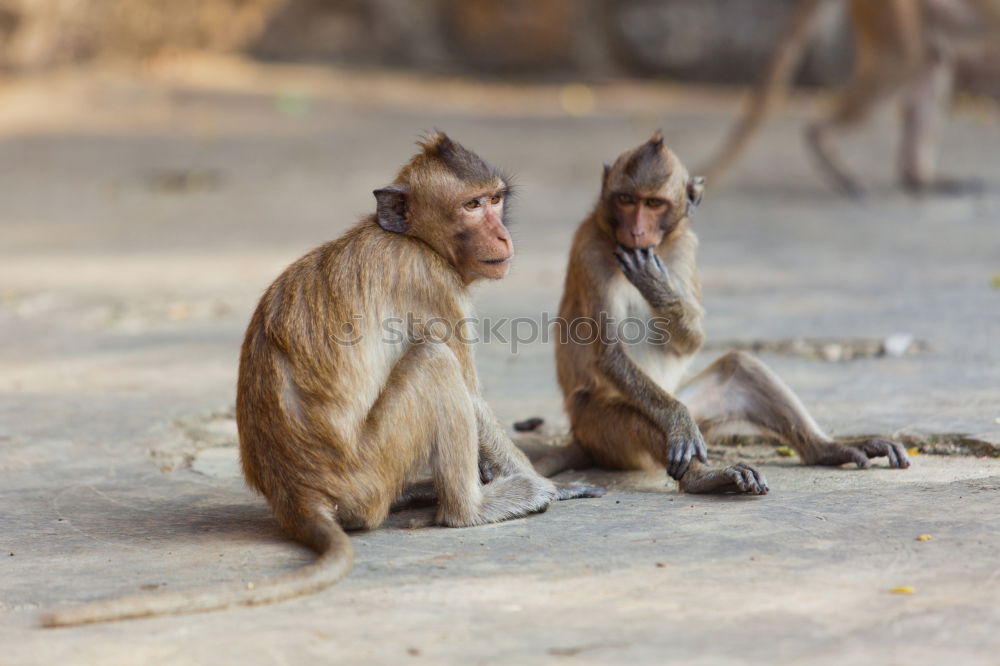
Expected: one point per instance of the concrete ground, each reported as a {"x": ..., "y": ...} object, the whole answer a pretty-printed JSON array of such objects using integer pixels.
[{"x": 140, "y": 221}]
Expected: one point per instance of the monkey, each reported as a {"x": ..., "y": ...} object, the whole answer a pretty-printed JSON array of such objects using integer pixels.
[
  {"x": 336, "y": 413},
  {"x": 633, "y": 259},
  {"x": 901, "y": 47}
]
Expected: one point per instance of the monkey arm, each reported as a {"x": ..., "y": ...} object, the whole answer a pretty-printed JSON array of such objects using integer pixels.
[
  {"x": 499, "y": 456},
  {"x": 497, "y": 453},
  {"x": 684, "y": 440},
  {"x": 646, "y": 272}
]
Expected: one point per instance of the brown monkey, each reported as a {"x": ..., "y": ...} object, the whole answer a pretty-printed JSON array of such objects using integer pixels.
[
  {"x": 337, "y": 410},
  {"x": 633, "y": 260},
  {"x": 905, "y": 47}
]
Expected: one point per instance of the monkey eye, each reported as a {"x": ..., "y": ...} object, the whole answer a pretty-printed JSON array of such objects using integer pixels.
[
  {"x": 655, "y": 203},
  {"x": 496, "y": 198},
  {"x": 471, "y": 204},
  {"x": 626, "y": 199}
]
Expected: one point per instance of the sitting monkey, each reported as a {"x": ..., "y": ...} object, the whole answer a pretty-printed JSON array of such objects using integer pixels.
[
  {"x": 634, "y": 257},
  {"x": 334, "y": 420}
]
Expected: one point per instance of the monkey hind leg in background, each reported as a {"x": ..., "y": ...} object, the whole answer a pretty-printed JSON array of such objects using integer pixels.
[
  {"x": 903, "y": 49},
  {"x": 633, "y": 258},
  {"x": 336, "y": 418}
]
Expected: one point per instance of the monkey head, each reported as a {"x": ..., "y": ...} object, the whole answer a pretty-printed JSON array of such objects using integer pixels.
[
  {"x": 646, "y": 193},
  {"x": 451, "y": 199}
]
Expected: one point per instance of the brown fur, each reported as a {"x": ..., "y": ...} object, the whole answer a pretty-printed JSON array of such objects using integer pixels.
[
  {"x": 626, "y": 404},
  {"x": 335, "y": 418},
  {"x": 901, "y": 46}
]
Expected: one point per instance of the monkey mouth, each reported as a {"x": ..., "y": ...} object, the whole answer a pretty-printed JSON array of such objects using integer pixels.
[{"x": 495, "y": 262}]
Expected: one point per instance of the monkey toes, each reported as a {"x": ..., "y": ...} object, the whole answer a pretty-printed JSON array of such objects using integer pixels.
[
  {"x": 738, "y": 478},
  {"x": 569, "y": 491},
  {"x": 861, "y": 451},
  {"x": 746, "y": 479}
]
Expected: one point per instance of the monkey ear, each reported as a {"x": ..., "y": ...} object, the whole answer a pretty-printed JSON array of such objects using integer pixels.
[
  {"x": 695, "y": 189},
  {"x": 656, "y": 141},
  {"x": 604, "y": 176},
  {"x": 390, "y": 208}
]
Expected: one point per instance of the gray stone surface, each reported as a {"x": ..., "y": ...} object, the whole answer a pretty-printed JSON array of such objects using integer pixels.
[{"x": 140, "y": 222}]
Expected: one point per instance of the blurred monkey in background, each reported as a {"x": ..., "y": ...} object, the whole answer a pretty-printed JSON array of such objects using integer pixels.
[{"x": 901, "y": 47}]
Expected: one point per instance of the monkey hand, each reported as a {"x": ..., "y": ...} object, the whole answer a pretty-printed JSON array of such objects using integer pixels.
[
  {"x": 860, "y": 452},
  {"x": 643, "y": 268},
  {"x": 566, "y": 491},
  {"x": 738, "y": 478},
  {"x": 684, "y": 442}
]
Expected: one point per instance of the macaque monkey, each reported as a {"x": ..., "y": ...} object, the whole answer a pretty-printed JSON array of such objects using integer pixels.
[
  {"x": 336, "y": 417},
  {"x": 902, "y": 48},
  {"x": 633, "y": 259}
]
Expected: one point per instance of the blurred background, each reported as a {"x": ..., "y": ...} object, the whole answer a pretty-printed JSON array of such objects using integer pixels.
[{"x": 724, "y": 41}]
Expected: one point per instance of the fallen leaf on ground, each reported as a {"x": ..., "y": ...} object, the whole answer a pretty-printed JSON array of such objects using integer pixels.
[
  {"x": 785, "y": 451},
  {"x": 924, "y": 537},
  {"x": 903, "y": 590}
]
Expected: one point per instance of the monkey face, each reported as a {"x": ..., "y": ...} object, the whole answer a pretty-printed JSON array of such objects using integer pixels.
[
  {"x": 646, "y": 193},
  {"x": 448, "y": 197},
  {"x": 483, "y": 247},
  {"x": 641, "y": 219}
]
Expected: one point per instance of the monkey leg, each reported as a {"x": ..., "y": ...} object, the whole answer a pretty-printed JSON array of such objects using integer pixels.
[
  {"x": 853, "y": 107},
  {"x": 922, "y": 108},
  {"x": 422, "y": 493},
  {"x": 426, "y": 412},
  {"x": 738, "y": 389},
  {"x": 616, "y": 436}
]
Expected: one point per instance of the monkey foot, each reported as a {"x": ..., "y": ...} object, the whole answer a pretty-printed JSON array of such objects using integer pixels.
[
  {"x": 567, "y": 491},
  {"x": 861, "y": 451},
  {"x": 738, "y": 478},
  {"x": 816, "y": 139},
  {"x": 949, "y": 187}
]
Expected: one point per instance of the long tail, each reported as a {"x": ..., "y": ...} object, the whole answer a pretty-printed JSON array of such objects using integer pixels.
[
  {"x": 569, "y": 456},
  {"x": 769, "y": 91},
  {"x": 336, "y": 556}
]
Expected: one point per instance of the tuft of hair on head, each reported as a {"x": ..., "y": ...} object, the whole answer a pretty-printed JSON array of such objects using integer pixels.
[
  {"x": 647, "y": 166},
  {"x": 649, "y": 151},
  {"x": 459, "y": 160}
]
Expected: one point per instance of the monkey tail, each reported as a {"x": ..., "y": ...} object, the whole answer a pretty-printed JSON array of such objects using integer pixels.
[
  {"x": 326, "y": 536},
  {"x": 769, "y": 90}
]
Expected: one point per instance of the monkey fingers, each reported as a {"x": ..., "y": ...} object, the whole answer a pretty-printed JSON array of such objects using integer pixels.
[
  {"x": 567, "y": 491},
  {"x": 638, "y": 261},
  {"x": 645, "y": 270},
  {"x": 683, "y": 449},
  {"x": 626, "y": 259}
]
